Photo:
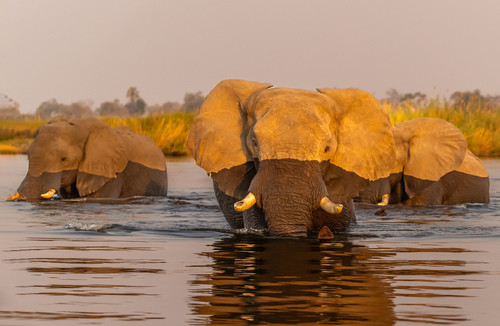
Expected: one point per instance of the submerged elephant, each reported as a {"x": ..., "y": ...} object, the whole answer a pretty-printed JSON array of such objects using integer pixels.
[
  {"x": 433, "y": 167},
  {"x": 290, "y": 160},
  {"x": 88, "y": 158}
]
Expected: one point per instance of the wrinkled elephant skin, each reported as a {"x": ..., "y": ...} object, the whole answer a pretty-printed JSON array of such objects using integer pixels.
[
  {"x": 88, "y": 158},
  {"x": 432, "y": 167},
  {"x": 290, "y": 160}
]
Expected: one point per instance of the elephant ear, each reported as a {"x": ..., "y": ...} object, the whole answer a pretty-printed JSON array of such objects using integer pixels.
[
  {"x": 435, "y": 147},
  {"x": 105, "y": 155},
  {"x": 217, "y": 139},
  {"x": 365, "y": 144}
]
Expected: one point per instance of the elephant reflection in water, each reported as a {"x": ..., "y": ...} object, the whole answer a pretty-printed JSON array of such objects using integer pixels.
[{"x": 255, "y": 282}]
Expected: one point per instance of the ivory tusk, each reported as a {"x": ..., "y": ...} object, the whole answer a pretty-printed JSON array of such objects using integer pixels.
[
  {"x": 330, "y": 207},
  {"x": 385, "y": 200},
  {"x": 245, "y": 203},
  {"x": 13, "y": 197},
  {"x": 49, "y": 194}
]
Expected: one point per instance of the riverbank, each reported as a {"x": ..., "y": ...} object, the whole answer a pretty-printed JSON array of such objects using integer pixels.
[
  {"x": 168, "y": 131},
  {"x": 479, "y": 123}
]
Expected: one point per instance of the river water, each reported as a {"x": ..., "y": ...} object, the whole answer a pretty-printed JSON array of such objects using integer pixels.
[{"x": 174, "y": 261}]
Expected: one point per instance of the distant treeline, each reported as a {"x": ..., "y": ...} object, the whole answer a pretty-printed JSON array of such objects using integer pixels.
[
  {"x": 135, "y": 107},
  {"x": 476, "y": 115}
]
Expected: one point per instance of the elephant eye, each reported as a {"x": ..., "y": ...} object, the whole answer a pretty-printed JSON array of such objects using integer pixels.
[
  {"x": 327, "y": 149},
  {"x": 63, "y": 159}
]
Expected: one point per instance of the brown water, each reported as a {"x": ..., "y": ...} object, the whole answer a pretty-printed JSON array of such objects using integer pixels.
[{"x": 175, "y": 262}]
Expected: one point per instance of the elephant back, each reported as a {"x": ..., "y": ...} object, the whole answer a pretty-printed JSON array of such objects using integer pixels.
[{"x": 141, "y": 149}]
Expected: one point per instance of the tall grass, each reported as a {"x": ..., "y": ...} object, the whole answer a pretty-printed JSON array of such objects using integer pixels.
[
  {"x": 169, "y": 131},
  {"x": 10, "y": 129},
  {"x": 479, "y": 122}
]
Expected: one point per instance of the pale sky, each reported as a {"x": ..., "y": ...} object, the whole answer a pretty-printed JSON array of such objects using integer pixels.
[{"x": 74, "y": 50}]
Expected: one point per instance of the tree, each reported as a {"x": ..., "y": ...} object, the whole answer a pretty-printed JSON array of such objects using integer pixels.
[
  {"x": 112, "y": 109},
  {"x": 9, "y": 109},
  {"x": 52, "y": 108},
  {"x": 395, "y": 97},
  {"x": 192, "y": 101},
  {"x": 9, "y": 113},
  {"x": 76, "y": 110},
  {"x": 136, "y": 104},
  {"x": 48, "y": 109},
  {"x": 140, "y": 106},
  {"x": 464, "y": 98}
]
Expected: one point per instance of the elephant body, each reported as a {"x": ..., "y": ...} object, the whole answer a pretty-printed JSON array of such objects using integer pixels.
[
  {"x": 88, "y": 158},
  {"x": 433, "y": 167},
  {"x": 290, "y": 160}
]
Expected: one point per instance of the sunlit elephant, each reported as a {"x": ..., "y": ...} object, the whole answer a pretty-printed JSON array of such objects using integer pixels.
[
  {"x": 88, "y": 158},
  {"x": 433, "y": 167},
  {"x": 299, "y": 155}
]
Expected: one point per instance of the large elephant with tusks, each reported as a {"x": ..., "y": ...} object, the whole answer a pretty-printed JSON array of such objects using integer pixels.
[{"x": 290, "y": 160}]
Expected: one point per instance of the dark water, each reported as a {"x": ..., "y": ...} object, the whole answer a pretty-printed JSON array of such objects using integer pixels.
[{"x": 175, "y": 262}]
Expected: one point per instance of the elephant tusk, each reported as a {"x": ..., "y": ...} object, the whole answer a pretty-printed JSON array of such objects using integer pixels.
[
  {"x": 329, "y": 207},
  {"x": 385, "y": 200},
  {"x": 49, "y": 194},
  {"x": 245, "y": 203},
  {"x": 13, "y": 197}
]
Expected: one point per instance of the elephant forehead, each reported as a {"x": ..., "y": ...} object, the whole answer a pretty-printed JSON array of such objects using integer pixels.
[
  {"x": 62, "y": 130},
  {"x": 54, "y": 142},
  {"x": 291, "y": 101},
  {"x": 282, "y": 136}
]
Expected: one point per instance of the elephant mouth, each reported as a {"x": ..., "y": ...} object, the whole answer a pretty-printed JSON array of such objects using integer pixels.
[
  {"x": 38, "y": 188},
  {"x": 289, "y": 192}
]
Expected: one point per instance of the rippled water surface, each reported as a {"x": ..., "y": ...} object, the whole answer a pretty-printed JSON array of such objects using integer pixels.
[{"x": 174, "y": 261}]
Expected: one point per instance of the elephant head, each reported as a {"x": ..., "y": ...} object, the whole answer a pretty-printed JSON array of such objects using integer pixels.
[
  {"x": 78, "y": 158},
  {"x": 296, "y": 154}
]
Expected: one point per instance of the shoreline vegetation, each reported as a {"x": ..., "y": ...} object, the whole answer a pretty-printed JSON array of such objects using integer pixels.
[{"x": 478, "y": 121}]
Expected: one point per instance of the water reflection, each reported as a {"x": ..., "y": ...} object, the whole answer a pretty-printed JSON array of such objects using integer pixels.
[
  {"x": 277, "y": 281},
  {"x": 257, "y": 280},
  {"x": 83, "y": 280}
]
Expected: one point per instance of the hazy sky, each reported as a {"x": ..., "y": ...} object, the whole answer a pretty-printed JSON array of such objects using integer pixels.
[{"x": 74, "y": 50}]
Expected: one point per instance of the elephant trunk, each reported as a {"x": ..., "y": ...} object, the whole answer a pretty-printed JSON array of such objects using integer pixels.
[
  {"x": 289, "y": 191},
  {"x": 44, "y": 186}
]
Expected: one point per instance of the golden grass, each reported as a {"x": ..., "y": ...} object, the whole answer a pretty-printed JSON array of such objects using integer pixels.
[
  {"x": 480, "y": 124},
  {"x": 8, "y": 149},
  {"x": 169, "y": 131}
]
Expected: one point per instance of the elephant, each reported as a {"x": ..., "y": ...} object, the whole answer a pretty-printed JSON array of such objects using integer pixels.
[
  {"x": 289, "y": 161},
  {"x": 88, "y": 158},
  {"x": 433, "y": 167}
]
